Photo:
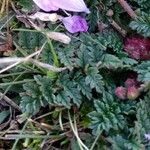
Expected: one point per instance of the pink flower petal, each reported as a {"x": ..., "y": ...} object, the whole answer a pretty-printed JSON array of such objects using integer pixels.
[
  {"x": 46, "y": 5},
  {"x": 71, "y": 5},
  {"x": 75, "y": 24}
]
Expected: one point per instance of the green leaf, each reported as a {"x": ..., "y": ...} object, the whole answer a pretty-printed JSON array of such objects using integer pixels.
[
  {"x": 70, "y": 89},
  {"x": 93, "y": 19},
  {"x": 37, "y": 94},
  {"x": 113, "y": 40},
  {"x": 142, "y": 25},
  {"x": 86, "y": 90},
  {"x": 45, "y": 84},
  {"x": 95, "y": 55},
  {"x": 31, "y": 105},
  {"x": 118, "y": 143},
  {"x": 27, "y": 5},
  {"x": 83, "y": 56},
  {"x": 31, "y": 99},
  {"x": 143, "y": 71},
  {"x": 107, "y": 115},
  {"x": 66, "y": 56},
  {"x": 4, "y": 115},
  {"x": 28, "y": 41},
  {"x": 143, "y": 3},
  {"x": 122, "y": 143},
  {"x": 129, "y": 61},
  {"x": 143, "y": 116},
  {"x": 111, "y": 61},
  {"x": 94, "y": 79},
  {"x": 62, "y": 99}
]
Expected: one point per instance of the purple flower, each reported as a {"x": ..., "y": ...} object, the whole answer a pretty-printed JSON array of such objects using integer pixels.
[
  {"x": 69, "y": 5},
  {"x": 147, "y": 136},
  {"x": 75, "y": 24}
]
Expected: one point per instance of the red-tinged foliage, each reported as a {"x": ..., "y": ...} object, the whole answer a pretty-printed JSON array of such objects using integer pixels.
[{"x": 138, "y": 48}]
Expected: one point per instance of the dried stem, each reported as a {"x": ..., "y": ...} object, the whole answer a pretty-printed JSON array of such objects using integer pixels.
[
  {"x": 25, "y": 132},
  {"x": 127, "y": 8},
  {"x": 16, "y": 61},
  {"x": 118, "y": 28},
  {"x": 9, "y": 101}
]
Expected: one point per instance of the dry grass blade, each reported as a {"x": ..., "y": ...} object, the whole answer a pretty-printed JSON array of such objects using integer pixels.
[
  {"x": 6, "y": 61},
  {"x": 22, "y": 60}
]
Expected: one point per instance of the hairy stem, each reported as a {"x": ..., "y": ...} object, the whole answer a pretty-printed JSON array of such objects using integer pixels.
[{"x": 128, "y": 9}]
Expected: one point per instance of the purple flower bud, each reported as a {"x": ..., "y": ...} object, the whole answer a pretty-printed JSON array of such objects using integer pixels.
[
  {"x": 75, "y": 24},
  {"x": 69, "y": 5}
]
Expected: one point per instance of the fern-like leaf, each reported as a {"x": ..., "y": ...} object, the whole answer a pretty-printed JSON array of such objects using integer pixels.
[
  {"x": 142, "y": 25},
  {"x": 94, "y": 79},
  {"x": 107, "y": 115}
]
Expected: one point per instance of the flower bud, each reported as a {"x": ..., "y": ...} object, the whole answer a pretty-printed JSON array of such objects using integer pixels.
[
  {"x": 130, "y": 82},
  {"x": 121, "y": 92},
  {"x": 132, "y": 93},
  {"x": 138, "y": 48},
  {"x": 110, "y": 13}
]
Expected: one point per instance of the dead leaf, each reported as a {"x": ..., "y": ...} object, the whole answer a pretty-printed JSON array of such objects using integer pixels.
[
  {"x": 53, "y": 17},
  {"x": 8, "y": 45}
]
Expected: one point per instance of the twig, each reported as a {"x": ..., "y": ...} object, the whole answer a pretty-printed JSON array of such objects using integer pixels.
[
  {"x": 9, "y": 101},
  {"x": 127, "y": 8},
  {"x": 118, "y": 28}
]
